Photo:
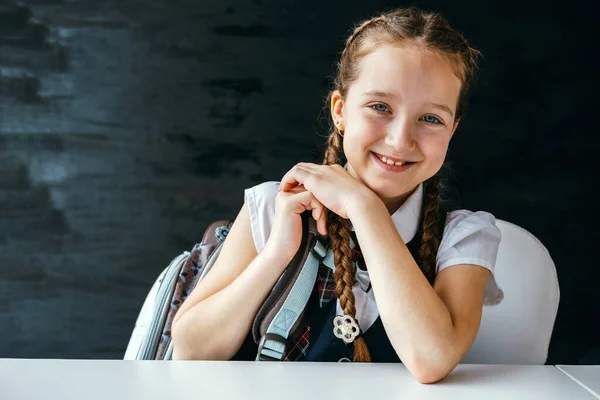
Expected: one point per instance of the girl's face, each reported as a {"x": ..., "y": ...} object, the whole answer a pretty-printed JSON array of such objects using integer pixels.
[{"x": 403, "y": 106}]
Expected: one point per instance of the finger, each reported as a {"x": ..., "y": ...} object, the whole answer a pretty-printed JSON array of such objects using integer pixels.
[
  {"x": 309, "y": 166},
  {"x": 289, "y": 180},
  {"x": 306, "y": 201},
  {"x": 297, "y": 189},
  {"x": 294, "y": 177},
  {"x": 319, "y": 215},
  {"x": 315, "y": 214}
]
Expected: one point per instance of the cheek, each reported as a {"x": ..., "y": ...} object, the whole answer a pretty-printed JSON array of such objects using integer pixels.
[
  {"x": 363, "y": 132},
  {"x": 436, "y": 149},
  {"x": 356, "y": 144}
]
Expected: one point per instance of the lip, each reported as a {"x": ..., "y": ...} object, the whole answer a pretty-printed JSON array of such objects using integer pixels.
[
  {"x": 394, "y": 159},
  {"x": 391, "y": 168}
]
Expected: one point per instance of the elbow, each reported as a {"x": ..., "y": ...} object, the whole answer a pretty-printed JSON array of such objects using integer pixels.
[
  {"x": 428, "y": 376},
  {"x": 184, "y": 345},
  {"x": 187, "y": 345},
  {"x": 180, "y": 354},
  {"x": 180, "y": 350},
  {"x": 428, "y": 370}
]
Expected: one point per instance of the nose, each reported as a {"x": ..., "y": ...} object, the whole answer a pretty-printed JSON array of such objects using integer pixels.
[{"x": 401, "y": 136}]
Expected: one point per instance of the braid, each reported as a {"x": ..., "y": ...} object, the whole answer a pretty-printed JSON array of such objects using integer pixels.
[
  {"x": 431, "y": 227},
  {"x": 339, "y": 232},
  {"x": 334, "y": 149},
  {"x": 344, "y": 278}
]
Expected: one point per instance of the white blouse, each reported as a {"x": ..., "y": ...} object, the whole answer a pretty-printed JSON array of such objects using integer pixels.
[{"x": 469, "y": 238}]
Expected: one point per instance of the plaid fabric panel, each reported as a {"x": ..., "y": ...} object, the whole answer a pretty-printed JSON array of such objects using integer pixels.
[
  {"x": 325, "y": 289},
  {"x": 325, "y": 285},
  {"x": 299, "y": 346}
]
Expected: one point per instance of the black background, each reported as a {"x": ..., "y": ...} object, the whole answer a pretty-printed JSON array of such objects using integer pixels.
[{"x": 127, "y": 126}]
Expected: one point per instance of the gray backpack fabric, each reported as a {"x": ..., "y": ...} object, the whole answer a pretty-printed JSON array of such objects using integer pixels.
[{"x": 277, "y": 320}]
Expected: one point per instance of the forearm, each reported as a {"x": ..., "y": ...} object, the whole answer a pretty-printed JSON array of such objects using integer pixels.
[
  {"x": 416, "y": 320},
  {"x": 215, "y": 328}
]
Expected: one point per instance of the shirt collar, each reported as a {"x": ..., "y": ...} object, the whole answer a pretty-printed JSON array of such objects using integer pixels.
[{"x": 406, "y": 218}]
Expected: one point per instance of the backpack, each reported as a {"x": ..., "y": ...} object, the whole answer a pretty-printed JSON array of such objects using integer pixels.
[{"x": 277, "y": 320}]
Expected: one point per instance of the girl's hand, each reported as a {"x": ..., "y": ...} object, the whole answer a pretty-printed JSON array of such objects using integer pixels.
[
  {"x": 286, "y": 234},
  {"x": 331, "y": 185}
]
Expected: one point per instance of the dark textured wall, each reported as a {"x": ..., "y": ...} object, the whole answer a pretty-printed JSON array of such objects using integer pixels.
[{"x": 127, "y": 126}]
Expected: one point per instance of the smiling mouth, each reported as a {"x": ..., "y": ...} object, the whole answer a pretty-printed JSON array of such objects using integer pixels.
[
  {"x": 392, "y": 163},
  {"x": 391, "y": 167}
]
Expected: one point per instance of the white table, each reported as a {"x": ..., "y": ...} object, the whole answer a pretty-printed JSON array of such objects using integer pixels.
[
  {"x": 587, "y": 376},
  {"x": 33, "y": 379}
]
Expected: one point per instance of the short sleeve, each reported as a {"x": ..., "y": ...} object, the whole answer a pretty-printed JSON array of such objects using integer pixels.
[
  {"x": 472, "y": 238},
  {"x": 261, "y": 206}
]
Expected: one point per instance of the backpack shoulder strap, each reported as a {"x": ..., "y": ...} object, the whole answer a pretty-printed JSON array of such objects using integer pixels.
[{"x": 281, "y": 314}]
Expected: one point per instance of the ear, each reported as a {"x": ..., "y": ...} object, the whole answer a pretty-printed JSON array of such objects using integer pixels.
[
  {"x": 337, "y": 109},
  {"x": 454, "y": 127}
]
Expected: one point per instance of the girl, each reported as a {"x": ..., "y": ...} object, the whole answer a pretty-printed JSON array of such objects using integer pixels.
[{"x": 422, "y": 276}]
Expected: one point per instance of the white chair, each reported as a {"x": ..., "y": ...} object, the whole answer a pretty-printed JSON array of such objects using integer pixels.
[
  {"x": 144, "y": 321},
  {"x": 518, "y": 330}
]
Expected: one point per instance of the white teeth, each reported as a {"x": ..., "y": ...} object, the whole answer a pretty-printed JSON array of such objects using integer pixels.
[{"x": 390, "y": 162}]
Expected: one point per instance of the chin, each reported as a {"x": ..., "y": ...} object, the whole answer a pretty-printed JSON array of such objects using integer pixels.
[{"x": 392, "y": 193}]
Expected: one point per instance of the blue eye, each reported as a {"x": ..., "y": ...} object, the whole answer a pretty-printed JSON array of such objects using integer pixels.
[
  {"x": 381, "y": 108},
  {"x": 432, "y": 120}
]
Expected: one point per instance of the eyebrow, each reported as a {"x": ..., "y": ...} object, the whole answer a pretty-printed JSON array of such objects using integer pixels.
[
  {"x": 379, "y": 93},
  {"x": 441, "y": 107}
]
